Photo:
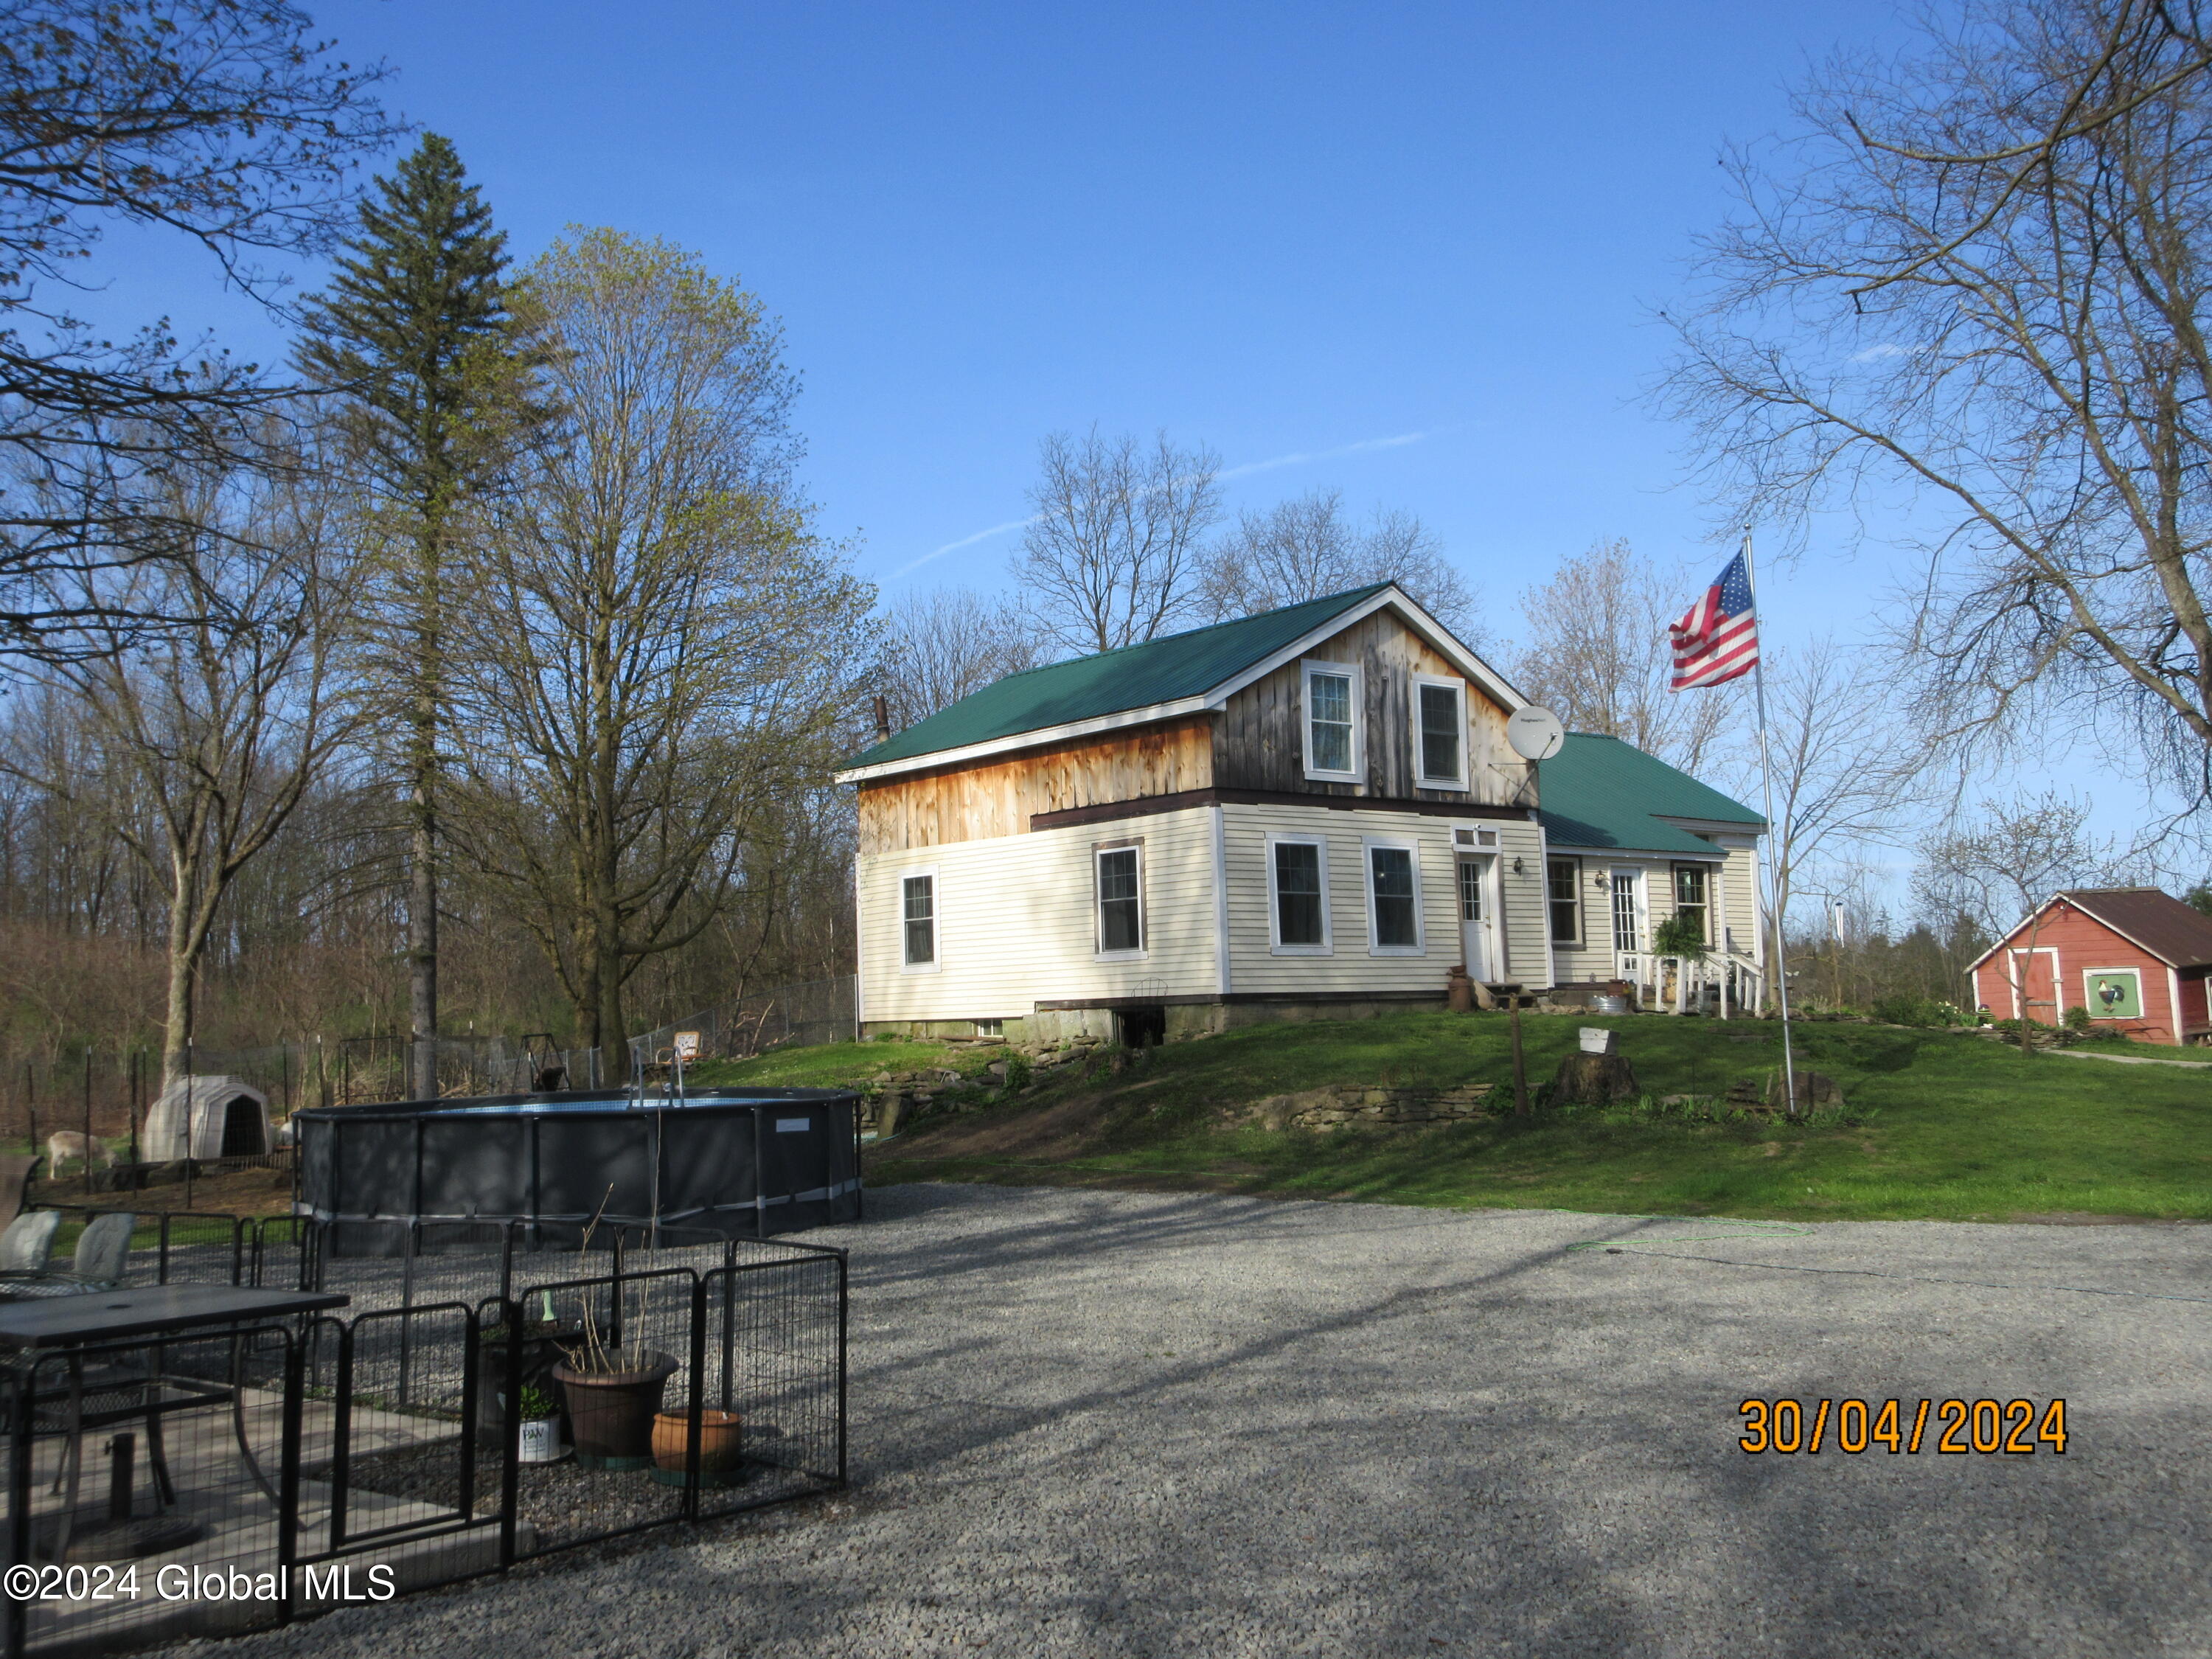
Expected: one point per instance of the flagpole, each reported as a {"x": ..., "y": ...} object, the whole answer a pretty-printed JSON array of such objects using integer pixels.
[{"x": 1767, "y": 862}]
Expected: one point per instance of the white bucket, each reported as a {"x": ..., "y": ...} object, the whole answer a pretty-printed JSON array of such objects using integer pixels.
[
  {"x": 1608, "y": 1004},
  {"x": 541, "y": 1440}
]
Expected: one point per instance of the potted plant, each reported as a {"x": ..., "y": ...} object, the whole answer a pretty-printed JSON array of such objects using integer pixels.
[
  {"x": 540, "y": 1426},
  {"x": 721, "y": 1447},
  {"x": 613, "y": 1390},
  {"x": 545, "y": 1337}
]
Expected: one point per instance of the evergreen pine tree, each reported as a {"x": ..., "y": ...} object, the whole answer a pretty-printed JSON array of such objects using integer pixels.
[{"x": 417, "y": 298}]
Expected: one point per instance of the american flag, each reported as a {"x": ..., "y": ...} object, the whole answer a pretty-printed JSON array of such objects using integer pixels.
[{"x": 1718, "y": 639}]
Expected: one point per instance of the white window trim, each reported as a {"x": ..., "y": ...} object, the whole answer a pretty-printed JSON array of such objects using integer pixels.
[
  {"x": 1275, "y": 945},
  {"x": 1582, "y": 914},
  {"x": 1457, "y": 781},
  {"x": 1358, "y": 773},
  {"x": 2142, "y": 1001},
  {"x": 1098, "y": 951},
  {"x": 1419, "y": 947},
  {"x": 936, "y": 919}
]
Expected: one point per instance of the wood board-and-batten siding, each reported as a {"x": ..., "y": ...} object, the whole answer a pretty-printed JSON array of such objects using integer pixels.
[
  {"x": 1254, "y": 747},
  {"x": 1259, "y": 742}
]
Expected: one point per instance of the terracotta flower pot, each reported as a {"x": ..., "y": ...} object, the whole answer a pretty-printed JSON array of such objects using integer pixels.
[
  {"x": 720, "y": 1441},
  {"x": 611, "y": 1413}
]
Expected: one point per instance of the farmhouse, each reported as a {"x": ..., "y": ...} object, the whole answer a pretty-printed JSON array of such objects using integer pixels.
[
  {"x": 2135, "y": 957},
  {"x": 1312, "y": 812}
]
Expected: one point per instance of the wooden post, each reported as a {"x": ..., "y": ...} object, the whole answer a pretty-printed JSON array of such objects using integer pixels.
[
  {"x": 136, "y": 1074},
  {"x": 1520, "y": 1066},
  {"x": 192, "y": 1104},
  {"x": 30, "y": 1107},
  {"x": 86, "y": 1171}
]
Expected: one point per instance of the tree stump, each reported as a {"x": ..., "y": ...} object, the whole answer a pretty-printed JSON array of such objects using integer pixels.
[{"x": 1594, "y": 1080}]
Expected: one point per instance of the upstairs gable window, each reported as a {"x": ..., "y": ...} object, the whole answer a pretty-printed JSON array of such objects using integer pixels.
[
  {"x": 1332, "y": 697},
  {"x": 1440, "y": 734}
]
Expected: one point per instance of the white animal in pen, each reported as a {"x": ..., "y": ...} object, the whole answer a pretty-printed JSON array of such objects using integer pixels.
[{"x": 71, "y": 1144}]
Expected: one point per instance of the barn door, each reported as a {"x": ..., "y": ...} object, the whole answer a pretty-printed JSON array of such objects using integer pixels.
[{"x": 2037, "y": 970}]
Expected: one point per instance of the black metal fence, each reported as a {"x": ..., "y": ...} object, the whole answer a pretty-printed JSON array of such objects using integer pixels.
[{"x": 165, "y": 1489}]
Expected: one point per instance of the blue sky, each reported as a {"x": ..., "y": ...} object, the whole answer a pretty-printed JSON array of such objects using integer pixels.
[{"x": 1416, "y": 245}]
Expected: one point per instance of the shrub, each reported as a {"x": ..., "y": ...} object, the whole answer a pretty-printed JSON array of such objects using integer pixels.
[
  {"x": 1018, "y": 1072},
  {"x": 536, "y": 1403},
  {"x": 2077, "y": 1018},
  {"x": 1906, "y": 1010}
]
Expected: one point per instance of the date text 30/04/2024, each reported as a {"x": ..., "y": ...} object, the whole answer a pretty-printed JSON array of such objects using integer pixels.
[{"x": 2015, "y": 1428}]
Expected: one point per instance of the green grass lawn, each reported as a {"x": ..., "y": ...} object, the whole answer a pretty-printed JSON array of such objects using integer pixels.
[
  {"x": 833, "y": 1065},
  {"x": 1938, "y": 1124}
]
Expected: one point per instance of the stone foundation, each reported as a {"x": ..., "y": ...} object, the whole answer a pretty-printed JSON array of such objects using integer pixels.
[{"x": 1336, "y": 1106}]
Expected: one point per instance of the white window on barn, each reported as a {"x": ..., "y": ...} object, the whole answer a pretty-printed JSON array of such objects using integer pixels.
[
  {"x": 918, "y": 920},
  {"x": 1393, "y": 899},
  {"x": 1297, "y": 894},
  {"x": 1121, "y": 901},
  {"x": 1440, "y": 734},
  {"x": 1332, "y": 697}
]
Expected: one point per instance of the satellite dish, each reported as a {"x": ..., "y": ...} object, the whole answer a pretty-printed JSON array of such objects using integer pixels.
[{"x": 1535, "y": 733}]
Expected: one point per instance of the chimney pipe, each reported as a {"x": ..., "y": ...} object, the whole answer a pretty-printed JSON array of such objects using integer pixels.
[{"x": 883, "y": 720}]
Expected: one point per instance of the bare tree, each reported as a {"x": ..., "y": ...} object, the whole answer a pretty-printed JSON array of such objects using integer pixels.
[
  {"x": 203, "y": 739},
  {"x": 224, "y": 121},
  {"x": 1111, "y": 557},
  {"x": 659, "y": 650},
  {"x": 1308, "y": 547},
  {"x": 1975, "y": 281},
  {"x": 940, "y": 646},
  {"x": 2006, "y": 867},
  {"x": 1842, "y": 779},
  {"x": 1598, "y": 657}
]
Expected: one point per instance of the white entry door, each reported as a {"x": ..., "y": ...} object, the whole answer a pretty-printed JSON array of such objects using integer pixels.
[
  {"x": 1478, "y": 921},
  {"x": 1631, "y": 920}
]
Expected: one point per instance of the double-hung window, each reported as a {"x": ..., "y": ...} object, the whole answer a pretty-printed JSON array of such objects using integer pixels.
[
  {"x": 1564, "y": 892},
  {"x": 918, "y": 920},
  {"x": 1119, "y": 885},
  {"x": 1298, "y": 884},
  {"x": 1393, "y": 899},
  {"x": 1440, "y": 734},
  {"x": 1691, "y": 900},
  {"x": 1332, "y": 696}
]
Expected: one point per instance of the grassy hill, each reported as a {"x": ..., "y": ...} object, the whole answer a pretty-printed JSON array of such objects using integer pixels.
[{"x": 1937, "y": 1124}]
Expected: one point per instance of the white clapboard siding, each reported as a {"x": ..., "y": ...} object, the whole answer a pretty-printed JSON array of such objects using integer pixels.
[
  {"x": 1349, "y": 967},
  {"x": 1593, "y": 959},
  {"x": 1016, "y": 926}
]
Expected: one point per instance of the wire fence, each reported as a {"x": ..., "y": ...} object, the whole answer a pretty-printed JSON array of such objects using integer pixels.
[
  {"x": 473, "y": 1405},
  {"x": 797, "y": 1016}
]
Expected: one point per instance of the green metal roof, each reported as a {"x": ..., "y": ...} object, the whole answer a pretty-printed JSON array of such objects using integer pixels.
[
  {"x": 1135, "y": 676},
  {"x": 1601, "y": 791}
]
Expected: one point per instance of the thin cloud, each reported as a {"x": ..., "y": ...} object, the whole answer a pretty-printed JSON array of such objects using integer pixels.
[
  {"x": 1302, "y": 457},
  {"x": 965, "y": 541},
  {"x": 1305, "y": 457}
]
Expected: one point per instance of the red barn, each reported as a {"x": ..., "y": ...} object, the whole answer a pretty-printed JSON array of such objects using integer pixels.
[{"x": 2135, "y": 957}]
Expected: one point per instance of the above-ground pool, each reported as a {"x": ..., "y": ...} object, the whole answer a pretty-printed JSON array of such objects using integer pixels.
[{"x": 742, "y": 1165}]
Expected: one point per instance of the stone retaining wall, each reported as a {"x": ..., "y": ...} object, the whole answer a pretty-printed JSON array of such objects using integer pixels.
[{"x": 1343, "y": 1103}]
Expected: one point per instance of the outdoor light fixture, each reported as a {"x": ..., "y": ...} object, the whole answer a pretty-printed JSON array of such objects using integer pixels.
[
  {"x": 1517, "y": 867},
  {"x": 1603, "y": 880}
]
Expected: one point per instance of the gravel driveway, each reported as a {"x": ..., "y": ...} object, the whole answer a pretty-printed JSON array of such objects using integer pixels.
[{"x": 1091, "y": 1423}]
